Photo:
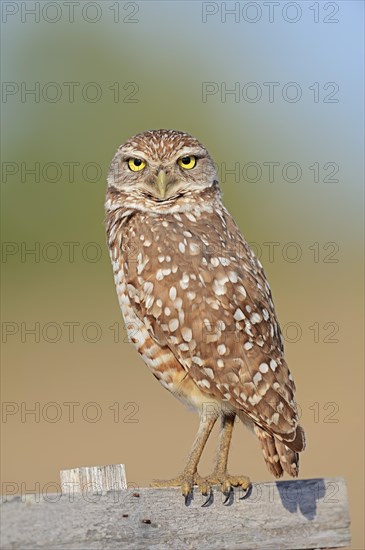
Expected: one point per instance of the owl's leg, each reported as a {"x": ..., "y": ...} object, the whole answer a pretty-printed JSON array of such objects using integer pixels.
[
  {"x": 189, "y": 476},
  {"x": 224, "y": 442},
  {"x": 220, "y": 475}
]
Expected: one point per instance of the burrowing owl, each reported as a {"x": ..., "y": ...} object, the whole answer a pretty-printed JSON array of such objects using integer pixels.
[{"x": 196, "y": 302}]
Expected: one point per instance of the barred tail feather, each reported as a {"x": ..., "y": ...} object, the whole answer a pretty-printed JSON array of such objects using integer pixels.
[{"x": 278, "y": 456}]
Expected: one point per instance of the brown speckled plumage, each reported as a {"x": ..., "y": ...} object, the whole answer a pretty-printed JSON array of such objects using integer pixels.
[{"x": 195, "y": 297}]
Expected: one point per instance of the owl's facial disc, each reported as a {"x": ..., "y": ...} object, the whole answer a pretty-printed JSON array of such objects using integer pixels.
[
  {"x": 162, "y": 165},
  {"x": 165, "y": 179}
]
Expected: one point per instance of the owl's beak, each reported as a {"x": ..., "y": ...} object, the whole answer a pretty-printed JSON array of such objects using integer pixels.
[{"x": 161, "y": 182}]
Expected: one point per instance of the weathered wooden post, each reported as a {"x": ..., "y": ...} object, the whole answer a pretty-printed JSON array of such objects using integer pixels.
[{"x": 97, "y": 509}]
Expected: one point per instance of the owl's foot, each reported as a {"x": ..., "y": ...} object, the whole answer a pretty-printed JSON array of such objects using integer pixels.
[
  {"x": 186, "y": 481},
  {"x": 225, "y": 482}
]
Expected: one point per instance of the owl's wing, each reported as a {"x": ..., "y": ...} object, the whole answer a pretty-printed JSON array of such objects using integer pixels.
[{"x": 199, "y": 289}]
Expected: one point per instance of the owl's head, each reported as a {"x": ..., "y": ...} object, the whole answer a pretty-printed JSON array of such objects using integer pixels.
[{"x": 161, "y": 165}]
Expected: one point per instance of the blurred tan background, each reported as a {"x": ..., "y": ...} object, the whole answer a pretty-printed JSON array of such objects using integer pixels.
[{"x": 292, "y": 131}]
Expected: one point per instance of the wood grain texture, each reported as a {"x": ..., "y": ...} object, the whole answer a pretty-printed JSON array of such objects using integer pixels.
[
  {"x": 292, "y": 515},
  {"x": 94, "y": 478}
]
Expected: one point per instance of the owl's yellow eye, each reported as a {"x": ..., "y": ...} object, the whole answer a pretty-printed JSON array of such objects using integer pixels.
[
  {"x": 136, "y": 164},
  {"x": 187, "y": 162}
]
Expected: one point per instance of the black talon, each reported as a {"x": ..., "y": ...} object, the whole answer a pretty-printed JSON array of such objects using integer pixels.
[
  {"x": 226, "y": 499},
  {"x": 210, "y": 494},
  {"x": 247, "y": 493},
  {"x": 227, "y": 494},
  {"x": 188, "y": 499}
]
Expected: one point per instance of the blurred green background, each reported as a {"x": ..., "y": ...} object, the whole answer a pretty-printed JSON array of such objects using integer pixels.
[{"x": 113, "y": 69}]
